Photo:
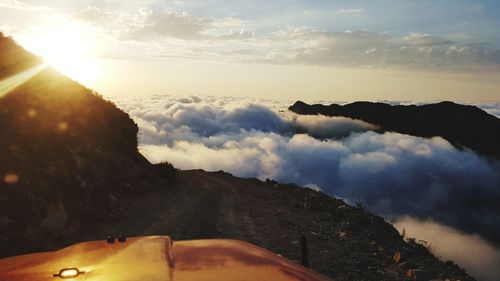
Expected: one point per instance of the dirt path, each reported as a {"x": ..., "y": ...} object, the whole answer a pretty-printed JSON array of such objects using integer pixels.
[
  {"x": 196, "y": 206},
  {"x": 344, "y": 242}
]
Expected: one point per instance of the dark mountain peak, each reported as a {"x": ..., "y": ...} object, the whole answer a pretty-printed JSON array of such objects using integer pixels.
[
  {"x": 300, "y": 103},
  {"x": 462, "y": 125},
  {"x": 447, "y": 103},
  {"x": 366, "y": 103},
  {"x": 300, "y": 107}
]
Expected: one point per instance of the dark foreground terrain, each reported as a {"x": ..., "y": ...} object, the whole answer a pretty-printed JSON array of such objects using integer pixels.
[{"x": 70, "y": 171}]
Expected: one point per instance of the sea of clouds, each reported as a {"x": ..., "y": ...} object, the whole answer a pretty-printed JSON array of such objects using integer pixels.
[
  {"x": 395, "y": 175},
  {"x": 480, "y": 258}
]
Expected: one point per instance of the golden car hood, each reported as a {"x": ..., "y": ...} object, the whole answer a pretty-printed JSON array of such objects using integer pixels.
[{"x": 157, "y": 258}]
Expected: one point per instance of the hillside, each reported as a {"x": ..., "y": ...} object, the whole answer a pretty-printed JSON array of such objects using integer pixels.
[
  {"x": 71, "y": 171},
  {"x": 461, "y": 125},
  {"x": 65, "y": 154}
]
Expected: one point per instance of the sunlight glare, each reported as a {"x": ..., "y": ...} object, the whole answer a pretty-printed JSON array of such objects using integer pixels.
[
  {"x": 17, "y": 80},
  {"x": 66, "y": 46}
]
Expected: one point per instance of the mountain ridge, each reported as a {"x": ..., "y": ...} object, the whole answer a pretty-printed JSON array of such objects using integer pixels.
[{"x": 462, "y": 125}]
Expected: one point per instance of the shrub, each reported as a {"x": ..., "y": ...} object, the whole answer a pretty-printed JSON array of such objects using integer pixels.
[{"x": 166, "y": 170}]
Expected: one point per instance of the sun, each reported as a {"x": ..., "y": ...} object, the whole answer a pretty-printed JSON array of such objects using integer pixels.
[{"x": 66, "y": 46}]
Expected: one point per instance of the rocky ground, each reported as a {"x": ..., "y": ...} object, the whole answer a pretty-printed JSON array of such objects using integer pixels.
[{"x": 345, "y": 243}]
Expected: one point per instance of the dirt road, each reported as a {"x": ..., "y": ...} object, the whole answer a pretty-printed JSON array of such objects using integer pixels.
[{"x": 345, "y": 243}]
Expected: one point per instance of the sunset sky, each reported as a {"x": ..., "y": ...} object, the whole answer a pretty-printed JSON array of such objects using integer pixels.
[{"x": 335, "y": 50}]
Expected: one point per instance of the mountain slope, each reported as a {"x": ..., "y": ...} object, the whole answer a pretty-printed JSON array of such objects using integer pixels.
[
  {"x": 64, "y": 151},
  {"x": 70, "y": 171},
  {"x": 461, "y": 125}
]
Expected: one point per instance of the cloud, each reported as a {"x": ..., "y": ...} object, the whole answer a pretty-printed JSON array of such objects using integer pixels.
[
  {"x": 363, "y": 48},
  {"x": 237, "y": 35},
  {"x": 194, "y": 119},
  {"x": 478, "y": 257},
  {"x": 369, "y": 49},
  {"x": 391, "y": 174},
  {"x": 18, "y": 5},
  {"x": 152, "y": 25},
  {"x": 492, "y": 108},
  {"x": 90, "y": 14},
  {"x": 425, "y": 40},
  {"x": 172, "y": 33},
  {"x": 356, "y": 12}
]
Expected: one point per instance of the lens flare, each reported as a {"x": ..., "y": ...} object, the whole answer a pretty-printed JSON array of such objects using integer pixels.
[
  {"x": 11, "y": 178},
  {"x": 12, "y": 82}
]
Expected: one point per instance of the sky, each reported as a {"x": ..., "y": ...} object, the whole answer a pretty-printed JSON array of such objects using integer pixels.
[{"x": 286, "y": 49}]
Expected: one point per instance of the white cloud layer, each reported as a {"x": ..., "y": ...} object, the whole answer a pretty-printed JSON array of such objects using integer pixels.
[
  {"x": 391, "y": 174},
  {"x": 453, "y": 193},
  {"x": 478, "y": 257},
  {"x": 492, "y": 108}
]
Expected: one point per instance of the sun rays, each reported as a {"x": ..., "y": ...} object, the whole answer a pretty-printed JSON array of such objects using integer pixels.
[
  {"x": 12, "y": 82},
  {"x": 67, "y": 46}
]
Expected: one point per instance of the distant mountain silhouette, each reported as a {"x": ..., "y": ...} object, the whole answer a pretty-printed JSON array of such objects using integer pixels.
[
  {"x": 70, "y": 171},
  {"x": 462, "y": 125}
]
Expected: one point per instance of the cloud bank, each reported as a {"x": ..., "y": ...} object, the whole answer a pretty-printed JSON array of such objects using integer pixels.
[
  {"x": 492, "y": 108},
  {"x": 391, "y": 174},
  {"x": 478, "y": 257},
  {"x": 19, "y": 5},
  {"x": 439, "y": 194},
  {"x": 177, "y": 33}
]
